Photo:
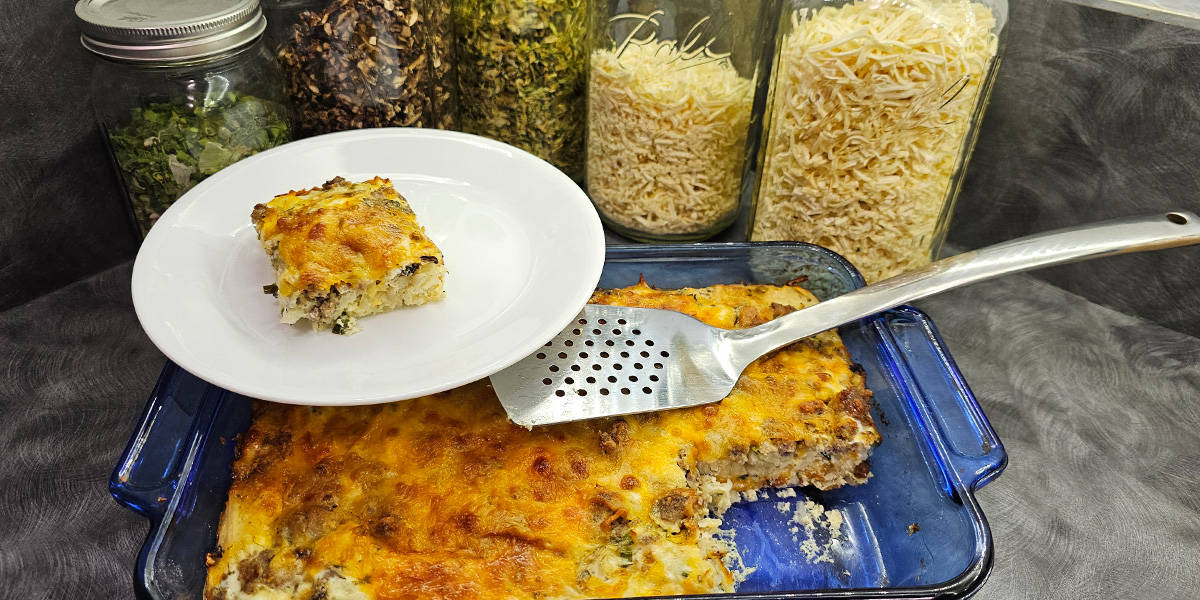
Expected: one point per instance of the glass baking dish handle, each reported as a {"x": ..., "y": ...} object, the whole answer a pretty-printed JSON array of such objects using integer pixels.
[
  {"x": 172, "y": 424},
  {"x": 972, "y": 450}
]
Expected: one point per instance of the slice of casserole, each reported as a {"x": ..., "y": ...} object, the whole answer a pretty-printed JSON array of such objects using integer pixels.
[
  {"x": 443, "y": 498},
  {"x": 347, "y": 250}
]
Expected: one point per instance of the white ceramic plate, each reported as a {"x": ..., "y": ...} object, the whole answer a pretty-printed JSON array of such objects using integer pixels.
[{"x": 522, "y": 243}]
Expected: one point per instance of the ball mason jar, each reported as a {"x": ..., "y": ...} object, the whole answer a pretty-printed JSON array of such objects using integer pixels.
[
  {"x": 180, "y": 90},
  {"x": 671, "y": 91},
  {"x": 874, "y": 110}
]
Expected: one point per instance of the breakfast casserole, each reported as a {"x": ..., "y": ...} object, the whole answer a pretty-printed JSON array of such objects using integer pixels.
[
  {"x": 443, "y": 498},
  {"x": 345, "y": 250}
]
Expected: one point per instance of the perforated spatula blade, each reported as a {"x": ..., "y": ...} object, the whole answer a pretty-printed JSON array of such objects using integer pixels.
[{"x": 616, "y": 360}]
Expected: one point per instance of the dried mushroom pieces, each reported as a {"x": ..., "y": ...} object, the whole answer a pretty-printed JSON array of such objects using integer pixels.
[
  {"x": 666, "y": 138},
  {"x": 873, "y": 106},
  {"x": 444, "y": 85},
  {"x": 370, "y": 63},
  {"x": 166, "y": 148},
  {"x": 522, "y": 67}
]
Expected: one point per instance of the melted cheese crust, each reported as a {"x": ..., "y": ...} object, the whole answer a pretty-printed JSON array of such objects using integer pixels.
[
  {"x": 341, "y": 233},
  {"x": 443, "y": 497}
]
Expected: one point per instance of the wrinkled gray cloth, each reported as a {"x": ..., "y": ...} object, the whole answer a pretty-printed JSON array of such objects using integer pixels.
[
  {"x": 1099, "y": 412},
  {"x": 1100, "y": 415}
]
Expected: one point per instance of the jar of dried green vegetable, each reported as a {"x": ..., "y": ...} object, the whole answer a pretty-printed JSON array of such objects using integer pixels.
[
  {"x": 180, "y": 90},
  {"x": 522, "y": 68},
  {"x": 671, "y": 90},
  {"x": 351, "y": 64},
  {"x": 875, "y": 108}
]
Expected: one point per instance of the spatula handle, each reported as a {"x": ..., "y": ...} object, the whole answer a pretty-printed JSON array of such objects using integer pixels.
[{"x": 1106, "y": 238}]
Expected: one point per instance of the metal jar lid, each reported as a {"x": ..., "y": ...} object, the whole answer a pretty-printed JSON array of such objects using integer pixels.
[{"x": 150, "y": 31}]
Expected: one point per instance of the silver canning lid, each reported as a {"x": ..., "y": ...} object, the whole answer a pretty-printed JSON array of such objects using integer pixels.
[{"x": 167, "y": 30}]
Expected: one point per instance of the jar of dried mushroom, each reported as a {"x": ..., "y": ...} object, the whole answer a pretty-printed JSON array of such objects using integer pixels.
[
  {"x": 670, "y": 95},
  {"x": 350, "y": 64},
  {"x": 180, "y": 90},
  {"x": 522, "y": 66},
  {"x": 876, "y": 105}
]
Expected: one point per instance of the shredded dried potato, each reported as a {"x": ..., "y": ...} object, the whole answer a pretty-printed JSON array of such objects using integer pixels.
[
  {"x": 666, "y": 139},
  {"x": 873, "y": 105}
]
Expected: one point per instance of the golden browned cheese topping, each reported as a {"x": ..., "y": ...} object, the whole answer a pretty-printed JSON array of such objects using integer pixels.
[
  {"x": 341, "y": 232},
  {"x": 443, "y": 498}
]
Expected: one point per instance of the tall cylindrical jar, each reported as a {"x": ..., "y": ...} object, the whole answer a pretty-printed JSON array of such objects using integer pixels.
[
  {"x": 351, "y": 64},
  {"x": 670, "y": 95},
  {"x": 874, "y": 110},
  {"x": 180, "y": 91},
  {"x": 522, "y": 68}
]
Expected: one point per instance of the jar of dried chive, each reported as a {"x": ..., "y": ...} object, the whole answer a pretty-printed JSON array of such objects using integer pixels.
[
  {"x": 351, "y": 64},
  {"x": 522, "y": 71},
  {"x": 181, "y": 89}
]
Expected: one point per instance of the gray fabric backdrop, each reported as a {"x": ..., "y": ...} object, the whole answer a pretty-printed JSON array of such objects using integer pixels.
[{"x": 1094, "y": 115}]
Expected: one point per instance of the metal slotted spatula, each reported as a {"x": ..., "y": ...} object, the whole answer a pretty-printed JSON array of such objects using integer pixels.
[{"x": 615, "y": 360}]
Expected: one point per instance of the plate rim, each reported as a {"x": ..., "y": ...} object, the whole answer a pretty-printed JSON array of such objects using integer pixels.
[{"x": 591, "y": 265}]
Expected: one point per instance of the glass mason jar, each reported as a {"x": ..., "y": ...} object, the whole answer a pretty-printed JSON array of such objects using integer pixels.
[
  {"x": 180, "y": 91},
  {"x": 670, "y": 96},
  {"x": 522, "y": 68},
  {"x": 875, "y": 106},
  {"x": 352, "y": 64}
]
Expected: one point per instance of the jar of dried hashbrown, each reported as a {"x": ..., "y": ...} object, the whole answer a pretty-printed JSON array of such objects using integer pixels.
[{"x": 875, "y": 108}]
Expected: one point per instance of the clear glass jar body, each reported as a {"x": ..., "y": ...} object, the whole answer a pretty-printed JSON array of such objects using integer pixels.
[
  {"x": 670, "y": 104},
  {"x": 351, "y": 64},
  {"x": 169, "y": 126},
  {"x": 522, "y": 69},
  {"x": 873, "y": 112}
]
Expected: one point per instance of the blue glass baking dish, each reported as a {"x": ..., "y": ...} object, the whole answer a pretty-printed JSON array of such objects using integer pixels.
[{"x": 914, "y": 530}]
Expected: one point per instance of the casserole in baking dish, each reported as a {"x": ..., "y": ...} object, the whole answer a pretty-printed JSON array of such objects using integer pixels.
[
  {"x": 442, "y": 497},
  {"x": 912, "y": 529}
]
